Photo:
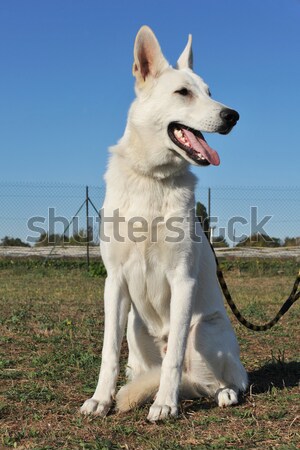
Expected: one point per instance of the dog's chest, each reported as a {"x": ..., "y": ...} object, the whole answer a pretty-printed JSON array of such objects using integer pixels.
[
  {"x": 149, "y": 211},
  {"x": 146, "y": 277}
]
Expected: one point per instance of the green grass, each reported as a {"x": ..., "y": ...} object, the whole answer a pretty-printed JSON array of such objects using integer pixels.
[{"x": 51, "y": 331}]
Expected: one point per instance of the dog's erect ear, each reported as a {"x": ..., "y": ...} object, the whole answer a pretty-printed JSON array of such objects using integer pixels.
[
  {"x": 148, "y": 57},
  {"x": 185, "y": 60}
]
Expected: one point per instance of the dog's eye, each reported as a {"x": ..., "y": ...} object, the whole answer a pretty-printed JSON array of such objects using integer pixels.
[
  {"x": 183, "y": 91},
  {"x": 209, "y": 93}
]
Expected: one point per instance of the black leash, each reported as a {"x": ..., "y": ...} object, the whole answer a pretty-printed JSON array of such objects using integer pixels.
[{"x": 293, "y": 297}]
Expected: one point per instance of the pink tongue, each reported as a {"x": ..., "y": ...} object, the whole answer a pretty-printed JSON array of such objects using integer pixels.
[{"x": 201, "y": 146}]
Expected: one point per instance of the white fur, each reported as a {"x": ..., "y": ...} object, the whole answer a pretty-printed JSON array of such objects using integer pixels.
[{"x": 168, "y": 291}]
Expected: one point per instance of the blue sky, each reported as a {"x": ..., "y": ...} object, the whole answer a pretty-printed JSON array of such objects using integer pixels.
[{"x": 66, "y": 83}]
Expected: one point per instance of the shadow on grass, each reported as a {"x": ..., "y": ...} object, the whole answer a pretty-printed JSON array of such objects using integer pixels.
[{"x": 278, "y": 374}]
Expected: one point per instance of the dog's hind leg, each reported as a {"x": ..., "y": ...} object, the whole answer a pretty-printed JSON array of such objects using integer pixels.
[
  {"x": 144, "y": 352},
  {"x": 143, "y": 367},
  {"x": 212, "y": 360}
]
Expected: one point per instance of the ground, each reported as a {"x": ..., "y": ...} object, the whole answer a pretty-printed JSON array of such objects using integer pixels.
[
  {"x": 79, "y": 251},
  {"x": 51, "y": 331}
]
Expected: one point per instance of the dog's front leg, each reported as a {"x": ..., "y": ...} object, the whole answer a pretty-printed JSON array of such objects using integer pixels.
[
  {"x": 116, "y": 306},
  {"x": 182, "y": 297}
]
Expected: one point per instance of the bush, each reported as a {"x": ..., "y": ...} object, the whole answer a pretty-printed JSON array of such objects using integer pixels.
[
  {"x": 292, "y": 242},
  {"x": 46, "y": 239},
  {"x": 13, "y": 242},
  {"x": 79, "y": 238},
  {"x": 260, "y": 240},
  {"x": 82, "y": 236},
  {"x": 219, "y": 241}
]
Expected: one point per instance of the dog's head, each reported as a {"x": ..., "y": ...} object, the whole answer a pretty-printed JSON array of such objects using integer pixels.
[{"x": 174, "y": 105}]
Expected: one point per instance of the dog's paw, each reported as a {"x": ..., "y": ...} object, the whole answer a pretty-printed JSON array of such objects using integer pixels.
[
  {"x": 95, "y": 408},
  {"x": 227, "y": 397},
  {"x": 161, "y": 412}
]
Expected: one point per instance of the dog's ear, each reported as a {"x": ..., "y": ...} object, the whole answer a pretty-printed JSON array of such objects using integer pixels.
[
  {"x": 148, "y": 58},
  {"x": 185, "y": 60}
]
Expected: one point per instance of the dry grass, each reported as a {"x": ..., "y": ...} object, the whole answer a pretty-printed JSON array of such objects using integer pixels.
[{"x": 51, "y": 329}]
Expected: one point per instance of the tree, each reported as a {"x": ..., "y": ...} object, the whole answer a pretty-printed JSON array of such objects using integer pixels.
[
  {"x": 46, "y": 240},
  {"x": 82, "y": 236},
  {"x": 202, "y": 215},
  {"x": 78, "y": 238},
  {"x": 219, "y": 241},
  {"x": 292, "y": 242},
  {"x": 260, "y": 240},
  {"x": 13, "y": 242}
]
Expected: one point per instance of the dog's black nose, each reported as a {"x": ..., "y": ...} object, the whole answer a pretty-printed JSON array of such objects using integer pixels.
[{"x": 230, "y": 116}]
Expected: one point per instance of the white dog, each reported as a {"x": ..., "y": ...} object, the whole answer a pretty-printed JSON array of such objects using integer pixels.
[{"x": 161, "y": 277}]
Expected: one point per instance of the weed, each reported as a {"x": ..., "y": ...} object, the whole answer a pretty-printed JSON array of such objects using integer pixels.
[{"x": 31, "y": 391}]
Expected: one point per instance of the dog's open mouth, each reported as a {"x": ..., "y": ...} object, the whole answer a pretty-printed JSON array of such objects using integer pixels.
[{"x": 194, "y": 144}]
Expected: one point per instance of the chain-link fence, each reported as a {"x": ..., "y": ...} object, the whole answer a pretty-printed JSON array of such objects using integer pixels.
[
  {"x": 39, "y": 215},
  {"x": 45, "y": 216},
  {"x": 238, "y": 213}
]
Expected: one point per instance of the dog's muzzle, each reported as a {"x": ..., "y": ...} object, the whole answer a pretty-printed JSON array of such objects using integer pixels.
[{"x": 229, "y": 118}]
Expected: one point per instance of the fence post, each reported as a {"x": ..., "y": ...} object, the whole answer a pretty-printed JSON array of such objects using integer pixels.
[
  {"x": 87, "y": 228},
  {"x": 209, "y": 213}
]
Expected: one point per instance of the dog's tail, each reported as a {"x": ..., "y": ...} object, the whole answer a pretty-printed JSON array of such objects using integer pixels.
[{"x": 144, "y": 387}]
